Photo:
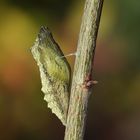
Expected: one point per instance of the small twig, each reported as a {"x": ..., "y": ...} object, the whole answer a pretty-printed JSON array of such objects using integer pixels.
[{"x": 82, "y": 76}]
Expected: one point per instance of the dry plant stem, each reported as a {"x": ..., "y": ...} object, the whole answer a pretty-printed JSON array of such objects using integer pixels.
[{"x": 83, "y": 70}]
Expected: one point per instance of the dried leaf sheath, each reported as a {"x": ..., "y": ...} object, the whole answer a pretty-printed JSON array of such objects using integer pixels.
[{"x": 54, "y": 72}]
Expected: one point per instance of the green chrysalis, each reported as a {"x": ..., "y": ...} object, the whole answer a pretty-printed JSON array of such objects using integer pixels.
[{"x": 54, "y": 71}]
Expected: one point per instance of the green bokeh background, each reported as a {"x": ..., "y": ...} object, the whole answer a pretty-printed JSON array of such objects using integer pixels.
[{"x": 114, "y": 106}]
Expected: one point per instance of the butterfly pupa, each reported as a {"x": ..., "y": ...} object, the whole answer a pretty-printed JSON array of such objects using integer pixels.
[{"x": 55, "y": 73}]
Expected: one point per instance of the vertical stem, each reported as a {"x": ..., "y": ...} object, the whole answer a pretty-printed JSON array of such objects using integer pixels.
[{"x": 83, "y": 70}]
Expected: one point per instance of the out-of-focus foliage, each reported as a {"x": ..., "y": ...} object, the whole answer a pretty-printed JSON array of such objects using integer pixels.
[{"x": 114, "y": 112}]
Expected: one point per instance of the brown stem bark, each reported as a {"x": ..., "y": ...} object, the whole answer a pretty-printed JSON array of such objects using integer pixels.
[{"x": 82, "y": 76}]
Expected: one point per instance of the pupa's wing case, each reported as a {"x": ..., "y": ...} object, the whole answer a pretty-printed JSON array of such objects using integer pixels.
[{"x": 54, "y": 72}]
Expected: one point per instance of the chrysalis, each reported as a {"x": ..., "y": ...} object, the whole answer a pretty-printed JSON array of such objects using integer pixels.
[{"x": 54, "y": 73}]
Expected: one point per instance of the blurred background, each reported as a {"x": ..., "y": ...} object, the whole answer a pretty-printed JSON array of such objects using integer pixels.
[{"x": 114, "y": 106}]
